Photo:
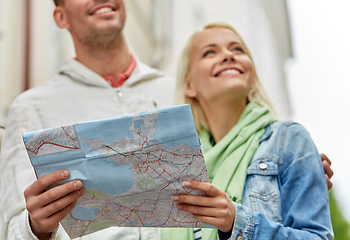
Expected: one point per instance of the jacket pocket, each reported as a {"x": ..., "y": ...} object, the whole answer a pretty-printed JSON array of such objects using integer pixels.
[{"x": 263, "y": 187}]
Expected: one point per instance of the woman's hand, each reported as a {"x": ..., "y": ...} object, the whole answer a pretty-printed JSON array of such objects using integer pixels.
[{"x": 216, "y": 209}]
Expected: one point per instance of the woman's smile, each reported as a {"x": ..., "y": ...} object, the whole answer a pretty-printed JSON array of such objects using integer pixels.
[{"x": 228, "y": 72}]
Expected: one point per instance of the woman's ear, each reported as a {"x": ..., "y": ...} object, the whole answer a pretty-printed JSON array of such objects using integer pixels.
[
  {"x": 59, "y": 15},
  {"x": 190, "y": 90}
]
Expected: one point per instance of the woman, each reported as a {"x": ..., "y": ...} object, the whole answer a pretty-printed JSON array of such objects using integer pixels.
[{"x": 267, "y": 180}]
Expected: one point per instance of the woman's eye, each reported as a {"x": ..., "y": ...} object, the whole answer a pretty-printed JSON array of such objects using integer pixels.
[
  {"x": 208, "y": 53},
  {"x": 238, "y": 49}
]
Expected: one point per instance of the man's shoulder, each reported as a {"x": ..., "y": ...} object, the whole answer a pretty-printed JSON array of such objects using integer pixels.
[
  {"x": 144, "y": 72},
  {"x": 46, "y": 88}
]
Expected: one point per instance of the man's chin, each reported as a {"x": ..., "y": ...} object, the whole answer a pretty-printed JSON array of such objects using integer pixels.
[
  {"x": 106, "y": 27},
  {"x": 102, "y": 38}
]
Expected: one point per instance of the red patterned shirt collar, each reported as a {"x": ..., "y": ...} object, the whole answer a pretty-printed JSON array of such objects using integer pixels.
[{"x": 122, "y": 77}]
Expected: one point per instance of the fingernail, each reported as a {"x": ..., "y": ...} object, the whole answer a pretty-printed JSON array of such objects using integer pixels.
[
  {"x": 78, "y": 184},
  {"x": 175, "y": 198},
  {"x": 179, "y": 206},
  {"x": 80, "y": 192},
  {"x": 187, "y": 184},
  {"x": 65, "y": 174}
]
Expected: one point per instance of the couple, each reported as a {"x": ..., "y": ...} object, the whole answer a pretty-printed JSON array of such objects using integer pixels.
[{"x": 267, "y": 180}]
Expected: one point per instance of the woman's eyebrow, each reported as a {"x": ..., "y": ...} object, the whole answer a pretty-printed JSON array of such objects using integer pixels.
[
  {"x": 209, "y": 45},
  {"x": 234, "y": 43},
  {"x": 214, "y": 45}
]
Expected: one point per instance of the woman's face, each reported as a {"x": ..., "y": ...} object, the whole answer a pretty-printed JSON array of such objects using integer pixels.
[{"x": 220, "y": 69}]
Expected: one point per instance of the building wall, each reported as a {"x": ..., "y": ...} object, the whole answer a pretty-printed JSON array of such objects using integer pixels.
[
  {"x": 50, "y": 45},
  {"x": 11, "y": 53}
]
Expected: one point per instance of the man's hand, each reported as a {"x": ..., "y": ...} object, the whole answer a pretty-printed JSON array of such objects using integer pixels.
[
  {"x": 47, "y": 208},
  {"x": 217, "y": 209},
  {"x": 327, "y": 169}
]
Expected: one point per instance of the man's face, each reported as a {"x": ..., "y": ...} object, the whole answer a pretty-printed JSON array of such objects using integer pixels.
[{"x": 94, "y": 20}]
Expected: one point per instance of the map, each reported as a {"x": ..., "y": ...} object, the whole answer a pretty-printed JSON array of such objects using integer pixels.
[{"x": 130, "y": 167}]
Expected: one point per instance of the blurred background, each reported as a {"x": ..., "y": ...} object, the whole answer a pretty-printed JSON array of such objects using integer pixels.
[{"x": 300, "y": 47}]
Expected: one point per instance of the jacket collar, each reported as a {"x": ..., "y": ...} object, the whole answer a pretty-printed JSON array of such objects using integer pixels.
[{"x": 268, "y": 132}]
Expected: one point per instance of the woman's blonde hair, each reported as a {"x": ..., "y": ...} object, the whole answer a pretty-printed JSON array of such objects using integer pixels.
[{"x": 257, "y": 94}]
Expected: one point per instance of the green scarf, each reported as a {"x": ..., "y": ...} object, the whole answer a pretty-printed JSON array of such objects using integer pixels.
[{"x": 228, "y": 160}]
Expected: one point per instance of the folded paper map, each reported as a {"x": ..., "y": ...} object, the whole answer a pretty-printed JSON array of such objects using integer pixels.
[{"x": 130, "y": 167}]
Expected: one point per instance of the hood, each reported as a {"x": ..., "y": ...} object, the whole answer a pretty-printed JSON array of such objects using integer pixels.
[{"x": 79, "y": 72}]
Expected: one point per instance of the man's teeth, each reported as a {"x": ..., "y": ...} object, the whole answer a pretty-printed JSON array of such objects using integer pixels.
[
  {"x": 104, "y": 10},
  {"x": 229, "y": 71}
]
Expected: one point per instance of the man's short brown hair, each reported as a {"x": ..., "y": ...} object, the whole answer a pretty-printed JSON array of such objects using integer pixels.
[{"x": 58, "y": 2}]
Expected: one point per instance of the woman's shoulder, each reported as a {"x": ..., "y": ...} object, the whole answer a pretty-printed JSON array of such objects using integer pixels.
[
  {"x": 283, "y": 138},
  {"x": 278, "y": 125},
  {"x": 286, "y": 128},
  {"x": 290, "y": 140}
]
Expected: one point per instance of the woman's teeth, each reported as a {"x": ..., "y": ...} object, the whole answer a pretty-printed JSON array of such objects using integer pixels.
[{"x": 229, "y": 71}]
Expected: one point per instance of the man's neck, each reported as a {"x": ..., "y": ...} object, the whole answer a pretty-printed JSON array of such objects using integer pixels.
[{"x": 109, "y": 61}]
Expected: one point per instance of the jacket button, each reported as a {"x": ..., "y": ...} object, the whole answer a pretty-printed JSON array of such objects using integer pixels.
[
  {"x": 240, "y": 236},
  {"x": 262, "y": 165}
]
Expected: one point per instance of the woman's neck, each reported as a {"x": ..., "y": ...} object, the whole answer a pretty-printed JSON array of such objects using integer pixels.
[{"x": 222, "y": 118}]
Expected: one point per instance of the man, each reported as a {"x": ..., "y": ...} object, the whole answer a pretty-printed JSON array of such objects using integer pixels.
[
  {"x": 104, "y": 81},
  {"x": 78, "y": 93}
]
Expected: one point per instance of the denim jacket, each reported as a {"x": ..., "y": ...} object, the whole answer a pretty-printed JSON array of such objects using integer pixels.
[{"x": 285, "y": 194}]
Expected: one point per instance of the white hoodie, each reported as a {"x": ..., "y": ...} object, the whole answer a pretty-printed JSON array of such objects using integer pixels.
[{"x": 76, "y": 94}]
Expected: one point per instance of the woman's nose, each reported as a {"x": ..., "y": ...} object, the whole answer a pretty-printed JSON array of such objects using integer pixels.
[{"x": 228, "y": 56}]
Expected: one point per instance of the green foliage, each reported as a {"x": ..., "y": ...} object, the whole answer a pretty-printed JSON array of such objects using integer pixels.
[{"x": 340, "y": 226}]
